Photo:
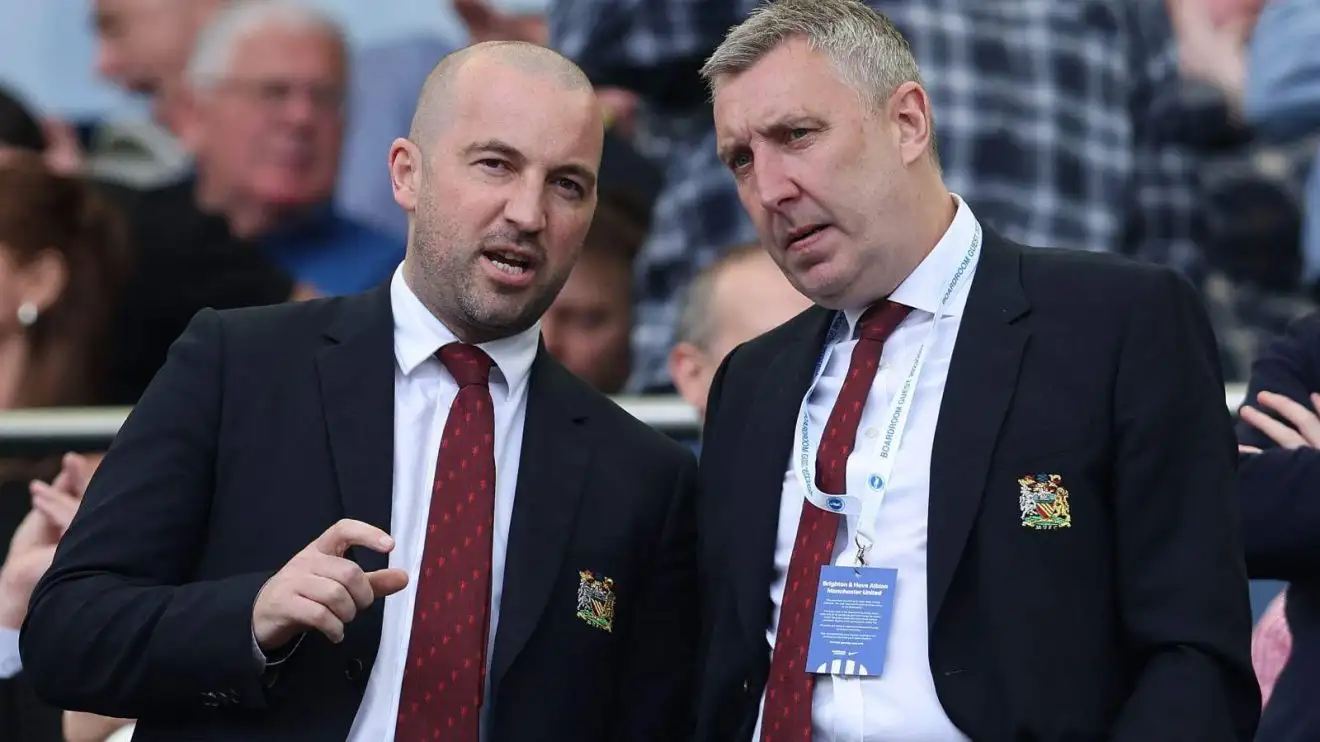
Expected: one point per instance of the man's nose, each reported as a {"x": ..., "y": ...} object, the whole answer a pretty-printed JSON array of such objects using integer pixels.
[
  {"x": 774, "y": 186},
  {"x": 525, "y": 209}
]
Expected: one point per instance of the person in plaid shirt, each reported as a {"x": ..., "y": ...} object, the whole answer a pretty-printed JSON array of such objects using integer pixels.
[{"x": 1051, "y": 127}]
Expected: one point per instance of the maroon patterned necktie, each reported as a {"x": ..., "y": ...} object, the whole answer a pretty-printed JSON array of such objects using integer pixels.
[
  {"x": 445, "y": 674},
  {"x": 787, "y": 714}
]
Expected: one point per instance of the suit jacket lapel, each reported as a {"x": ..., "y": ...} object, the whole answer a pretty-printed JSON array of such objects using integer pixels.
[
  {"x": 982, "y": 376},
  {"x": 357, "y": 393},
  {"x": 551, "y": 477},
  {"x": 767, "y": 440}
]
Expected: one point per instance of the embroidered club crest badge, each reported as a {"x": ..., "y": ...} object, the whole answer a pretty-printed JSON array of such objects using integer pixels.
[
  {"x": 1043, "y": 501},
  {"x": 595, "y": 601}
]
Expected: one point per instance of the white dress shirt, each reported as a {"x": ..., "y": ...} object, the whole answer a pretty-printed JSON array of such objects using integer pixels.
[
  {"x": 900, "y": 704},
  {"x": 423, "y": 393},
  {"x": 10, "y": 662}
]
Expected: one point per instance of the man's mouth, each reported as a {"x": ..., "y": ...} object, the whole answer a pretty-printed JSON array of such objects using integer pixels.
[
  {"x": 804, "y": 233},
  {"x": 510, "y": 261}
]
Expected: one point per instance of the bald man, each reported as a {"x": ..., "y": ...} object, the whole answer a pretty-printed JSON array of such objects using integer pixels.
[
  {"x": 738, "y": 297},
  {"x": 394, "y": 516}
]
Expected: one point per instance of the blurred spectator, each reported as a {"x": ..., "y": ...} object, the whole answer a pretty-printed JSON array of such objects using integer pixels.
[
  {"x": 264, "y": 117},
  {"x": 734, "y": 299},
  {"x": 183, "y": 261},
  {"x": 143, "y": 46},
  {"x": 1255, "y": 164},
  {"x": 20, "y": 131},
  {"x": 1278, "y": 472},
  {"x": 62, "y": 260},
  {"x": 587, "y": 326}
]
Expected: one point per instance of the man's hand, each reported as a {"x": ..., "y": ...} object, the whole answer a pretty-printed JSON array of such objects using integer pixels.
[
  {"x": 60, "y": 499},
  {"x": 1305, "y": 422},
  {"x": 320, "y": 589},
  {"x": 30, "y": 553},
  {"x": 32, "y": 548},
  {"x": 1212, "y": 40}
]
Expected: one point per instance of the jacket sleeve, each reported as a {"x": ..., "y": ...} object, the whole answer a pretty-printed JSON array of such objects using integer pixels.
[
  {"x": 1279, "y": 490},
  {"x": 116, "y": 626},
  {"x": 1182, "y": 583}
]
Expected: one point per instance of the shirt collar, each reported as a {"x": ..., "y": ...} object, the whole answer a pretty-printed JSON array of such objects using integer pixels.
[
  {"x": 418, "y": 334},
  {"x": 921, "y": 289}
]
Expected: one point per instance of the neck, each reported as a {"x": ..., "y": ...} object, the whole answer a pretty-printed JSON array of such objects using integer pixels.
[
  {"x": 13, "y": 360},
  {"x": 247, "y": 218},
  {"x": 929, "y": 213},
  {"x": 465, "y": 331}
]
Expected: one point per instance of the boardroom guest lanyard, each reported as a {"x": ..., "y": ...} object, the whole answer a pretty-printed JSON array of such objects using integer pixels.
[{"x": 850, "y": 504}]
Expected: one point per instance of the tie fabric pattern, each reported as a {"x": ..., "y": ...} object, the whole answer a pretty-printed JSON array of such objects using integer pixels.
[
  {"x": 444, "y": 678},
  {"x": 787, "y": 714}
]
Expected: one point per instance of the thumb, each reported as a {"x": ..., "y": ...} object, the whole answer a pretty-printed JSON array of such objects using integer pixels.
[{"x": 387, "y": 581}]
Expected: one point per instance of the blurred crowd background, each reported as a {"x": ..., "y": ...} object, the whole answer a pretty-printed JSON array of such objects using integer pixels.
[{"x": 161, "y": 156}]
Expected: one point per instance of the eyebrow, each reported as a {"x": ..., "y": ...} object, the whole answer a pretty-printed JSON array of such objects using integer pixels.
[
  {"x": 777, "y": 127},
  {"x": 504, "y": 149}
]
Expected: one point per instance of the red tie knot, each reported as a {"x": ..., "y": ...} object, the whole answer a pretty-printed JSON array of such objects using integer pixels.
[
  {"x": 468, "y": 364},
  {"x": 881, "y": 319}
]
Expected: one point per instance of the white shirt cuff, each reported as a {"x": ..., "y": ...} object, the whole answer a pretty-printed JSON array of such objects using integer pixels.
[{"x": 10, "y": 662}]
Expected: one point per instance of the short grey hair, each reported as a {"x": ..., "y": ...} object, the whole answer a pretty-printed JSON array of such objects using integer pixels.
[
  {"x": 213, "y": 55},
  {"x": 869, "y": 52}
]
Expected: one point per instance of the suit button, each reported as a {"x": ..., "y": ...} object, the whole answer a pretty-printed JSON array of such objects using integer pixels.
[
  {"x": 745, "y": 686},
  {"x": 353, "y": 669}
]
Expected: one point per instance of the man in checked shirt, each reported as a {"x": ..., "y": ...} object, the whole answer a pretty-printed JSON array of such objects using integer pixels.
[{"x": 1050, "y": 118}]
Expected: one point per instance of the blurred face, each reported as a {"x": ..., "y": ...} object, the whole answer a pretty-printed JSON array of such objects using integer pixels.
[
  {"x": 38, "y": 282},
  {"x": 500, "y": 197},
  {"x": 824, "y": 178},
  {"x": 143, "y": 45},
  {"x": 749, "y": 298},
  {"x": 270, "y": 131},
  {"x": 587, "y": 328},
  {"x": 1233, "y": 11}
]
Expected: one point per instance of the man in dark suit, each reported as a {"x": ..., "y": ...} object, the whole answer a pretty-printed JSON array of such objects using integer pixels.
[
  {"x": 292, "y": 465},
  {"x": 982, "y": 491},
  {"x": 1277, "y": 477}
]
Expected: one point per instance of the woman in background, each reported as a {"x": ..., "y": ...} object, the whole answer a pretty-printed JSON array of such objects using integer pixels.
[{"x": 63, "y": 259}]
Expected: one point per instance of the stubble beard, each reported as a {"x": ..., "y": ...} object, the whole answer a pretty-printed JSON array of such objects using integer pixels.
[{"x": 448, "y": 280}]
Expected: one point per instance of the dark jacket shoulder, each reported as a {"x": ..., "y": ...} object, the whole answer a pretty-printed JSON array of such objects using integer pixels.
[{"x": 623, "y": 429}]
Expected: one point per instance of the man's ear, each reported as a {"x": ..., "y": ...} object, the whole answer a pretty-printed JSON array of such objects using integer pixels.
[
  {"x": 687, "y": 366},
  {"x": 909, "y": 109},
  {"x": 405, "y": 173},
  {"x": 180, "y": 109}
]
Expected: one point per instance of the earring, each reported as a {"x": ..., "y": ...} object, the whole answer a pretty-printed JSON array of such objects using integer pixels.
[{"x": 27, "y": 314}]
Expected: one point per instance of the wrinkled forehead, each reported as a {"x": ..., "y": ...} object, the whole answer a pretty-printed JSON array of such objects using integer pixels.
[{"x": 790, "y": 82}]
